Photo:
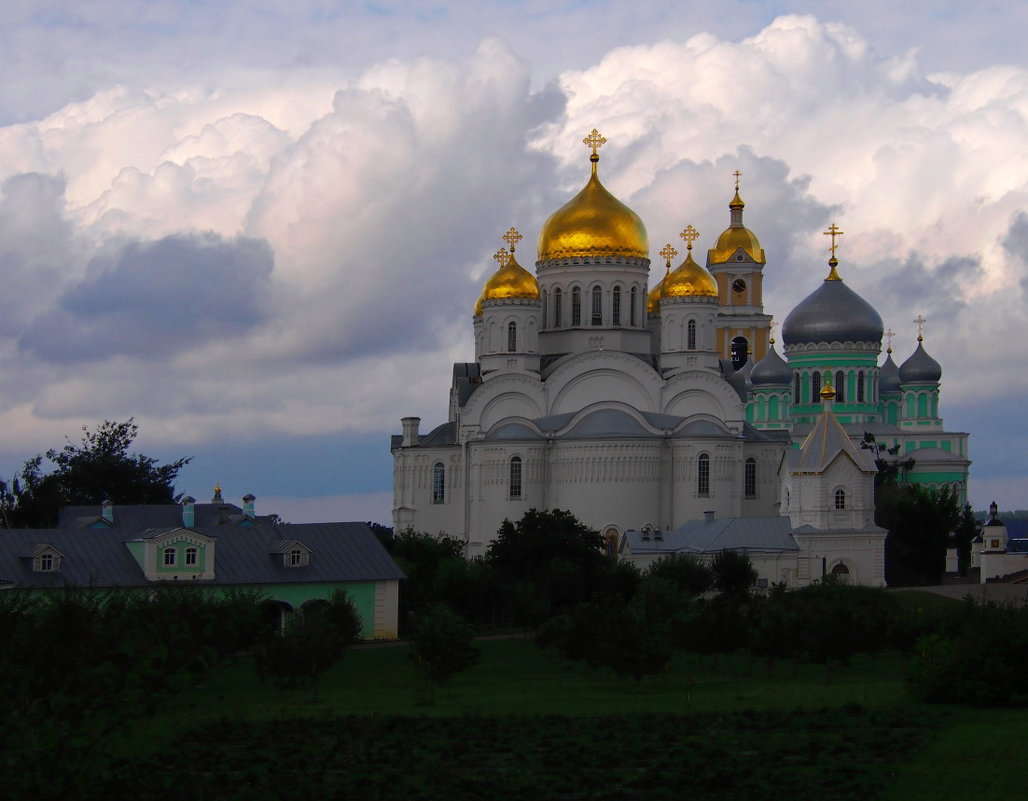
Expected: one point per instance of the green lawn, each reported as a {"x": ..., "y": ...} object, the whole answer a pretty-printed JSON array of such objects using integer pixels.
[{"x": 522, "y": 724}]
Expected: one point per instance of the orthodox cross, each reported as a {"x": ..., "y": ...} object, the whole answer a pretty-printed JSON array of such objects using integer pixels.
[
  {"x": 512, "y": 237},
  {"x": 889, "y": 334},
  {"x": 771, "y": 326},
  {"x": 737, "y": 175},
  {"x": 919, "y": 321},
  {"x": 594, "y": 140},
  {"x": 668, "y": 253},
  {"x": 502, "y": 256},
  {"x": 833, "y": 231},
  {"x": 689, "y": 234}
]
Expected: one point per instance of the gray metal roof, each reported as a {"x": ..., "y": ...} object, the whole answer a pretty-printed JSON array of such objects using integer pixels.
[
  {"x": 720, "y": 534},
  {"x": 888, "y": 376},
  {"x": 771, "y": 371},
  {"x": 825, "y": 442},
  {"x": 832, "y": 313},
  {"x": 920, "y": 368},
  {"x": 244, "y": 554}
]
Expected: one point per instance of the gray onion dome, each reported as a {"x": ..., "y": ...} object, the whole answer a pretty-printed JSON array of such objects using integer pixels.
[
  {"x": 920, "y": 368},
  {"x": 832, "y": 313},
  {"x": 888, "y": 376},
  {"x": 771, "y": 370}
]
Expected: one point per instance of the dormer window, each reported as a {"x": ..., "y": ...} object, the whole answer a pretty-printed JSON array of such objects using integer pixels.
[
  {"x": 45, "y": 558},
  {"x": 297, "y": 558},
  {"x": 292, "y": 552},
  {"x": 46, "y": 563}
]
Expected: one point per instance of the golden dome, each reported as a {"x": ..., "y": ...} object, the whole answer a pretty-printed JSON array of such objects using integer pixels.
[
  {"x": 653, "y": 296},
  {"x": 689, "y": 280},
  {"x": 593, "y": 223},
  {"x": 736, "y": 236},
  {"x": 827, "y": 391},
  {"x": 510, "y": 281}
]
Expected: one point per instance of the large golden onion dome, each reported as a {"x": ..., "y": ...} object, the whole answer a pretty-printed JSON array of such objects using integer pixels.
[
  {"x": 689, "y": 280},
  {"x": 509, "y": 282},
  {"x": 736, "y": 236},
  {"x": 593, "y": 223}
]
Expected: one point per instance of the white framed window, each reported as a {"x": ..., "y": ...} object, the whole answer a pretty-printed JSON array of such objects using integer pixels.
[
  {"x": 750, "y": 478},
  {"x": 192, "y": 555},
  {"x": 169, "y": 557},
  {"x": 47, "y": 563},
  {"x": 576, "y": 306},
  {"x": 512, "y": 337},
  {"x": 632, "y": 303},
  {"x": 703, "y": 475},
  {"x": 558, "y": 297},
  {"x": 616, "y": 306},
  {"x": 514, "y": 488},
  {"x": 438, "y": 483},
  {"x": 597, "y": 316},
  {"x": 840, "y": 499},
  {"x": 690, "y": 335}
]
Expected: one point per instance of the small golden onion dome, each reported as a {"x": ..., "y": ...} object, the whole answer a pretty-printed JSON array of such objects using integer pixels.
[
  {"x": 828, "y": 391},
  {"x": 593, "y": 224},
  {"x": 510, "y": 281},
  {"x": 736, "y": 236},
  {"x": 689, "y": 280}
]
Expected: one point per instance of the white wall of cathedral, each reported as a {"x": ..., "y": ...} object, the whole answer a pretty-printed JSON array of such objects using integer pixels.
[
  {"x": 616, "y": 378},
  {"x": 507, "y": 338},
  {"x": 429, "y": 490},
  {"x": 703, "y": 393},
  {"x": 842, "y": 497}
]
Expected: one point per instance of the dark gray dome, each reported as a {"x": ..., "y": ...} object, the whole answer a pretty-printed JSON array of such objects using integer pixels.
[
  {"x": 771, "y": 371},
  {"x": 889, "y": 377},
  {"x": 832, "y": 313},
  {"x": 920, "y": 368}
]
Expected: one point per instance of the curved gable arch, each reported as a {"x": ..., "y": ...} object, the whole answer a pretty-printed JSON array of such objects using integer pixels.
[
  {"x": 705, "y": 394},
  {"x": 615, "y": 377}
]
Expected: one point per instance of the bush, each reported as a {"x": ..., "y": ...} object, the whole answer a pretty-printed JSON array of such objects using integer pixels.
[{"x": 442, "y": 643}]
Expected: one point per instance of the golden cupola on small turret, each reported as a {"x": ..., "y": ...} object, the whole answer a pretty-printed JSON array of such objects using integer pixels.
[
  {"x": 736, "y": 236},
  {"x": 689, "y": 279},
  {"x": 511, "y": 281},
  {"x": 593, "y": 224},
  {"x": 654, "y": 295}
]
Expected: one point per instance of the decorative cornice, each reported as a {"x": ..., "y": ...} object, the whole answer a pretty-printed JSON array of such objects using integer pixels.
[{"x": 575, "y": 261}]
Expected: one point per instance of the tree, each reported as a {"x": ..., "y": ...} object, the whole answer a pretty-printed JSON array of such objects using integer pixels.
[
  {"x": 891, "y": 470},
  {"x": 734, "y": 574},
  {"x": 442, "y": 643},
  {"x": 100, "y": 468},
  {"x": 919, "y": 520}
]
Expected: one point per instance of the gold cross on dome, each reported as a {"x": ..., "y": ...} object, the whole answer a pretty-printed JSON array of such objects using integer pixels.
[
  {"x": 889, "y": 334},
  {"x": 833, "y": 231},
  {"x": 737, "y": 175},
  {"x": 771, "y": 326},
  {"x": 594, "y": 140},
  {"x": 512, "y": 237},
  {"x": 919, "y": 321},
  {"x": 668, "y": 253},
  {"x": 689, "y": 234},
  {"x": 502, "y": 256}
]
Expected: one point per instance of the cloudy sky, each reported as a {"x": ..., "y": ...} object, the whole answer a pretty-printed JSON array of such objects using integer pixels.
[{"x": 260, "y": 226}]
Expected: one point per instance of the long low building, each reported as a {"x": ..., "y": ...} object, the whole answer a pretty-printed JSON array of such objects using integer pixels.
[{"x": 216, "y": 545}]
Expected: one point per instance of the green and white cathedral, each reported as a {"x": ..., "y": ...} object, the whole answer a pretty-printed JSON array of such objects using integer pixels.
[{"x": 661, "y": 413}]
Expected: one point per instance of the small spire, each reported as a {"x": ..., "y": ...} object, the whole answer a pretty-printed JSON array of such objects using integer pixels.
[
  {"x": 919, "y": 321},
  {"x": 512, "y": 237},
  {"x": 689, "y": 234},
  {"x": 594, "y": 140}
]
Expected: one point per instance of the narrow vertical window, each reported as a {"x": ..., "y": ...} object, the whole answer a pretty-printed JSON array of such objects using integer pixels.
[
  {"x": 750, "y": 478},
  {"x": 438, "y": 483},
  {"x": 576, "y": 306},
  {"x": 840, "y": 380},
  {"x": 558, "y": 296},
  {"x": 616, "y": 306},
  {"x": 295, "y": 557},
  {"x": 796, "y": 387},
  {"x": 512, "y": 338},
  {"x": 46, "y": 563},
  {"x": 690, "y": 335},
  {"x": 191, "y": 556},
  {"x": 597, "y": 318},
  {"x": 703, "y": 475},
  {"x": 840, "y": 499},
  {"x": 544, "y": 308},
  {"x": 632, "y": 302},
  {"x": 860, "y": 387},
  {"x": 515, "y": 477},
  {"x": 815, "y": 387}
]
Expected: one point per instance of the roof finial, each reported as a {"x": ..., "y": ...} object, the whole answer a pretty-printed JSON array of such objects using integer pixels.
[
  {"x": 594, "y": 140},
  {"x": 512, "y": 237},
  {"x": 828, "y": 391},
  {"x": 737, "y": 175},
  {"x": 502, "y": 257},
  {"x": 689, "y": 234},
  {"x": 833, "y": 231},
  {"x": 668, "y": 253},
  {"x": 889, "y": 334},
  {"x": 919, "y": 321},
  {"x": 771, "y": 326}
]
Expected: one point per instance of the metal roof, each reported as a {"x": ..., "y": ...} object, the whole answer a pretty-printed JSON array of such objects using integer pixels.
[{"x": 719, "y": 534}]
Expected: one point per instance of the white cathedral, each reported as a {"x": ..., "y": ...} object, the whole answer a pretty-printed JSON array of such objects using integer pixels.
[{"x": 666, "y": 419}]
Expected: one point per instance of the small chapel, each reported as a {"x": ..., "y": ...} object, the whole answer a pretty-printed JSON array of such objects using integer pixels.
[{"x": 664, "y": 416}]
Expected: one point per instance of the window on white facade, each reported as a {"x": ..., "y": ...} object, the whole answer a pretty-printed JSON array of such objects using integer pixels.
[
  {"x": 840, "y": 499},
  {"x": 632, "y": 303},
  {"x": 297, "y": 557},
  {"x": 690, "y": 335},
  {"x": 616, "y": 306},
  {"x": 191, "y": 556},
  {"x": 514, "y": 490},
  {"x": 169, "y": 557},
  {"x": 703, "y": 475},
  {"x": 47, "y": 563},
  {"x": 558, "y": 298},
  {"x": 512, "y": 338},
  {"x": 438, "y": 483},
  {"x": 576, "y": 306},
  {"x": 597, "y": 306},
  {"x": 750, "y": 478}
]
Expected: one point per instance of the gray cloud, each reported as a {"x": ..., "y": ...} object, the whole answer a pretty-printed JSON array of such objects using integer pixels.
[{"x": 154, "y": 299}]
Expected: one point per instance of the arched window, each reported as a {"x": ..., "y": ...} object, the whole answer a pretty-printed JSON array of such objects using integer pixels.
[
  {"x": 690, "y": 335},
  {"x": 632, "y": 302},
  {"x": 922, "y": 405},
  {"x": 815, "y": 387},
  {"x": 514, "y": 487},
  {"x": 840, "y": 499},
  {"x": 750, "y": 479},
  {"x": 860, "y": 387},
  {"x": 840, "y": 382},
  {"x": 740, "y": 352},
  {"x": 512, "y": 337},
  {"x": 616, "y": 306},
  {"x": 597, "y": 318},
  {"x": 576, "y": 306},
  {"x": 438, "y": 483},
  {"x": 841, "y": 573},
  {"x": 558, "y": 296},
  {"x": 703, "y": 475}
]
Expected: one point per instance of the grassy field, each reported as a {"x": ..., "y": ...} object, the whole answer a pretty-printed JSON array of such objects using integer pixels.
[{"x": 522, "y": 724}]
